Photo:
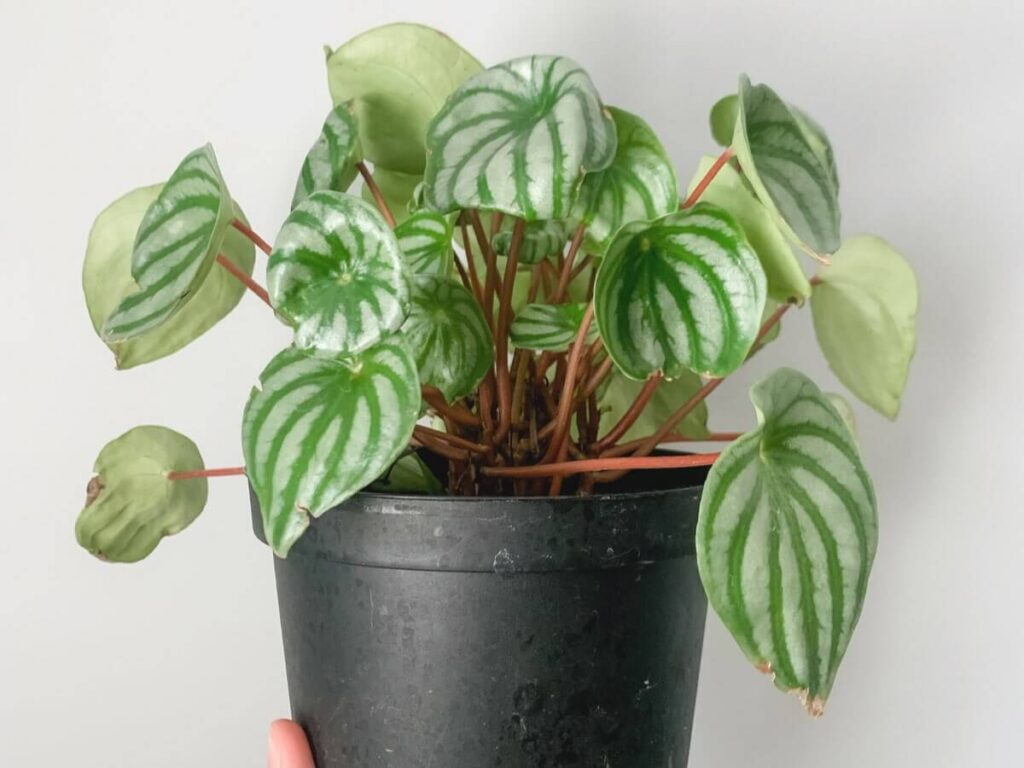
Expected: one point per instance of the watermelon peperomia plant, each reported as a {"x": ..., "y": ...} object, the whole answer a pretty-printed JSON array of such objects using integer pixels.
[{"x": 521, "y": 292}]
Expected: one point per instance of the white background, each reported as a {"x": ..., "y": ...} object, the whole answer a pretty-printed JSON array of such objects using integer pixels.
[{"x": 177, "y": 661}]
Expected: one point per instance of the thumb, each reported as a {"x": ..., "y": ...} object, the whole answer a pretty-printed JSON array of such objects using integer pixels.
[{"x": 288, "y": 746}]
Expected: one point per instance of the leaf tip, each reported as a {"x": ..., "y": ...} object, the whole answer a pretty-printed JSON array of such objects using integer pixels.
[{"x": 815, "y": 705}]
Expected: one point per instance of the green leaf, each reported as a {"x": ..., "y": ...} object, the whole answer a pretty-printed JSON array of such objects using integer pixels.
[
  {"x": 408, "y": 475},
  {"x": 548, "y": 326},
  {"x": 331, "y": 163},
  {"x": 541, "y": 240},
  {"x": 338, "y": 274},
  {"x": 786, "y": 537},
  {"x": 639, "y": 185},
  {"x": 176, "y": 244},
  {"x": 518, "y": 138},
  {"x": 449, "y": 335},
  {"x": 398, "y": 190},
  {"x": 865, "y": 311},
  {"x": 619, "y": 393},
  {"x": 684, "y": 292},
  {"x": 845, "y": 412},
  {"x": 785, "y": 276},
  {"x": 426, "y": 242},
  {"x": 319, "y": 428},
  {"x": 789, "y": 163},
  {"x": 107, "y": 280},
  {"x": 723, "y": 119},
  {"x": 131, "y": 504},
  {"x": 397, "y": 76}
]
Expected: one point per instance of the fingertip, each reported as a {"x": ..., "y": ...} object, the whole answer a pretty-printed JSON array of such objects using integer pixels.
[{"x": 289, "y": 747}]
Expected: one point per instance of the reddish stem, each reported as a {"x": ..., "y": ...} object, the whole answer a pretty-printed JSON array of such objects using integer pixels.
[
  {"x": 456, "y": 413},
  {"x": 491, "y": 279},
  {"x": 459, "y": 442},
  {"x": 632, "y": 414},
  {"x": 501, "y": 337},
  {"x": 194, "y": 474},
  {"x": 708, "y": 178},
  {"x": 474, "y": 278},
  {"x": 258, "y": 241},
  {"x": 570, "y": 258},
  {"x": 563, "y": 468},
  {"x": 378, "y": 196},
  {"x": 244, "y": 279}
]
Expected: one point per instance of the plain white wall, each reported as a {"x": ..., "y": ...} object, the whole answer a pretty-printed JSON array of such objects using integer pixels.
[{"x": 177, "y": 661}]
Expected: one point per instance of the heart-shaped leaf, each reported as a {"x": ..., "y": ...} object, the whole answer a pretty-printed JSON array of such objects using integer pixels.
[
  {"x": 548, "y": 326},
  {"x": 338, "y": 274},
  {"x": 177, "y": 241},
  {"x": 107, "y": 280},
  {"x": 426, "y": 241},
  {"x": 449, "y": 335},
  {"x": 620, "y": 392},
  {"x": 639, "y": 185},
  {"x": 408, "y": 475},
  {"x": 789, "y": 163},
  {"x": 319, "y": 428},
  {"x": 723, "y": 119},
  {"x": 397, "y": 76},
  {"x": 785, "y": 276},
  {"x": 865, "y": 311},
  {"x": 541, "y": 240},
  {"x": 684, "y": 292},
  {"x": 331, "y": 163},
  {"x": 131, "y": 503},
  {"x": 518, "y": 138},
  {"x": 786, "y": 537}
]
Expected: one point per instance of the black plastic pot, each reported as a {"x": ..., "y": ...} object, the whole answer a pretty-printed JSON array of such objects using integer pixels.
[{"x": 433, "y": 632}]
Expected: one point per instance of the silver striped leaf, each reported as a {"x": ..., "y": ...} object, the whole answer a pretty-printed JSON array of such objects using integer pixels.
[
  {"x": 518, "y": 138},
  {"x": 786, "y": 536},
  {"x": 790, "y": 165},
  {"x": 338, "y": 275},
  {"x": 107, "y": 279},
  {"x": 331, "y": 162},
  {"x": 449, "y": 336},
  {"x": 684, "y": 292},
  {"x": 639, "y": 185},
  {"x": 177, "y": 242},
  {"x": 320, "y": 427},
  {"x": 130, "y": 502},
  {"x": 541, "y": 240},
  {"x": 426, "y": 242},
  {"x": 548, "y": 326}
]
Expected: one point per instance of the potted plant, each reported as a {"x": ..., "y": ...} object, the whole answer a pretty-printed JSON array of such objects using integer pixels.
[{"x": 483, "y": 555}]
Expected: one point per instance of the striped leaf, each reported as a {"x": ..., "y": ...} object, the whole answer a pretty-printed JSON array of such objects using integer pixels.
[
  {"x": 684, "y": 292},
  {"x": 728, "y": 190},
  {"x": 331, "y": 163},
  {"x": 786, "y": 537},
  {"x": 398, "y": 77},
  {"x": 518, "y": 138},
  {"x": 865, "y": 318},
  {"x": 548, "y": 326},
  {"x": 426, "y": 242},
  {"x": 541, "y": 240},
  {"x": 789, "y": 163},
  {"x": 338, "y": 275},
  {"x": 620, "y": 392},
  {"x": 176, "y": 244},
  {"x": 449, "y": 335},
  {"x": 639, "y": 185},
  {"x": 319, "y": 428},
  {"x": 107, "y": 280},
  {"x": 130, "y": 503}
]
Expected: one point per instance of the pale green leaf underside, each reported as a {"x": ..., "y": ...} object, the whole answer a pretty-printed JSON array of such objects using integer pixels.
[
  {"x": 865, "y": 311},
  {"x": 723, "y": 119},
  {"x": 331, "y": 163},
  {"x": 541, "y": 240},
  {"x": 786, "y": 536},
  {"x": 620, "y": 392},
  {"x": 107, "y": 280},
  {"x": 131, "y": 504},
  {"x": 789, "y": 163},
  {"x": 408, "y": 475},
  {"x": 785, "y": 276},
  {"x": 548, "y": 326},
  {"x": 639, "y": 185},
  {"x": 684, "y": 292},
  {"x": 398, "y": 190},
  {"x": 338, "y": 275},
  {"x": 449, "y": 336},
  {"x": 518, "y": 138},
  {"x": 426, "y": 242},
  {"x": 398, "y": 77},
  {"x": 176, "y": 244},
  {"x": 319, "y": 428}
]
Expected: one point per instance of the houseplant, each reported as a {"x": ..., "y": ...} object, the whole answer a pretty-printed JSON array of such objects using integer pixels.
[{"x": 494, "y": 339}]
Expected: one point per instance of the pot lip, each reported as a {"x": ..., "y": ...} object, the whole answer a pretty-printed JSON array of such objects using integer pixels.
[{"x": 563, "y": 498}]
